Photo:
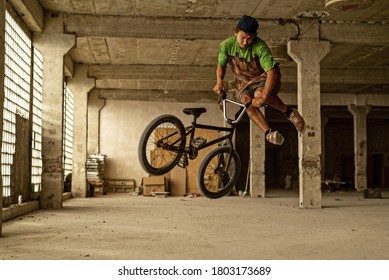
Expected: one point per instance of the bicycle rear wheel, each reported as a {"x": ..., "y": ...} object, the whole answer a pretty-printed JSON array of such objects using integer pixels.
[
  {"x": 161, "y": 144},
  {"x": 218, "y": 172}
]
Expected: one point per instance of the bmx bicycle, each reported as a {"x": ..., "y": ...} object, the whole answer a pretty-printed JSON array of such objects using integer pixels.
[{"x": 163, "y": 145}]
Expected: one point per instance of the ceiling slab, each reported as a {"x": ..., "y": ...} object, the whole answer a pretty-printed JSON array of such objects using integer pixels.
[{"x": 167, "y": 50}]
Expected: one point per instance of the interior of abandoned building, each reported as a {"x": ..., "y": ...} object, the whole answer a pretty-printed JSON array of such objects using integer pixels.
[{"x": 83, "y": 78}]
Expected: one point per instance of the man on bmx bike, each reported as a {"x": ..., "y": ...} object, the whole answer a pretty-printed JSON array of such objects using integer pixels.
[{"x": 257, "y": 76}]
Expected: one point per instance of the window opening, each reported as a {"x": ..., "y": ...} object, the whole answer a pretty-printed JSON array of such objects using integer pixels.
[
  {"x": 68, "y": 131},
  {"x": 36, "y": 145},
  {"x": 17, "y": 82}
]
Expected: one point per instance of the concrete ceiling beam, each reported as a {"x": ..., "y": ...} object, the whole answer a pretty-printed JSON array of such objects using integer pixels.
[
  {"x": 31, "y": 12},
  {"x": 355, "y": 33},
  {"x": 152, "y": 71},
  {"x": 347, "y": 76},
  {"x": 273, "y": 31},
  {"x": 327, "y": 99},
  {"x": 157, "y": 95},
  {"x": 185, "y": 72}
]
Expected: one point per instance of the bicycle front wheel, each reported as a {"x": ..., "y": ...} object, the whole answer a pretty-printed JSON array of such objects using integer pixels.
[
  {"x": 218, "y": 172},
  {"x": 161, "y": 144}
]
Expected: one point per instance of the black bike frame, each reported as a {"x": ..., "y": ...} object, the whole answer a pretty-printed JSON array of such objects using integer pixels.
[{"x": 190, "y": 130}]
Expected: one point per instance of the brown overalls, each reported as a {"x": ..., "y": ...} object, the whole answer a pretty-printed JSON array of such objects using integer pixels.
[{"x": 250, "y": 76}]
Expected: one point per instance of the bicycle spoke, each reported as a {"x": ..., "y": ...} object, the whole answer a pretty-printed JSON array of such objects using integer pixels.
[
  {"x": 216, "y": 177},
  {"x": 161, "y": 144},
  {"x": 218, "y": 172},
  {"x": 156, "y": 155}
]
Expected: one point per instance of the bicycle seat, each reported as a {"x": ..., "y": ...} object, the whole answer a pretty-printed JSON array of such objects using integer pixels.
[{"x": 195, "y": 111}]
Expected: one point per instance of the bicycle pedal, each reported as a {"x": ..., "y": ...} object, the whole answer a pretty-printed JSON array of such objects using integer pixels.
[{"x": 183, "y": 162}]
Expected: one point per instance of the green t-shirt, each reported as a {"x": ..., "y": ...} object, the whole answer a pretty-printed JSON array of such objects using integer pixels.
[{"x": 258, "y": 48}]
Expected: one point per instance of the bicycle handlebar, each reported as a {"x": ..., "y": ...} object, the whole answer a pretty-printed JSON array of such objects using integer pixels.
[{"x": 244, "y": 107}]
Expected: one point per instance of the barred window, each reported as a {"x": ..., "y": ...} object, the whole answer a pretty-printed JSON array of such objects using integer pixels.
[
  {"x": 17, "y": 83},
  {"x": 36, "y": 146},
  {"x": 68, "y": 131}
]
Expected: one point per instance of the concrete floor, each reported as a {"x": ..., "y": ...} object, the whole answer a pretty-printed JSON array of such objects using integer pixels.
[{"x": 119, "y": 226}]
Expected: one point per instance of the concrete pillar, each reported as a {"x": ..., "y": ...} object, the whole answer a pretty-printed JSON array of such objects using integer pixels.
[
  {"x": 53, "y": 45},
  {"x": 80, "y": 85},
  {"x": 2, "y": 27},
  {"x": 257, "y": 161},
  {"x": 95, "y": 104},
  {"x": 360, "y": 145},
  {"x": 307, "y": 52}
]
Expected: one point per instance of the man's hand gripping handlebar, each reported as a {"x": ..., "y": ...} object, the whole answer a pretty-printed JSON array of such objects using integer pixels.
[{"x": 223, "y": 98}]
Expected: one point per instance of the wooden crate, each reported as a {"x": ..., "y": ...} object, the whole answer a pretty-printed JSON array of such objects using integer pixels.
[
  {"x": 121, "y": 185},
  {"x": 154, "y": 184}
]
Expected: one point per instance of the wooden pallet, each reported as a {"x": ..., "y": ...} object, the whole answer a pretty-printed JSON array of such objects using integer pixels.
[{"x": 121, "y": 185}]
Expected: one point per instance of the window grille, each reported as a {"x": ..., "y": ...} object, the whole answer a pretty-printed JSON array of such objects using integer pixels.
[
  {"x": 68, "y": 131},
  {"x": 17, "y": 82},
  {"x": 36, "y": 146}
]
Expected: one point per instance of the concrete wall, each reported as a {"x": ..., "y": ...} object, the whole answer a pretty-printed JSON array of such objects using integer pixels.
[
  {"x": 339, "y": 149},
  {"x": 122, "y": 123}
]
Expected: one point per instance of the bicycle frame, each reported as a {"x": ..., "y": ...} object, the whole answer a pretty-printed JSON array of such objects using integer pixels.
[{"x": 192, "y": 151}]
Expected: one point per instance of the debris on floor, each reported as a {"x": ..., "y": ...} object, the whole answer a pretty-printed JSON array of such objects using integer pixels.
[
  {"x": 137, "y": 191},
  {"x": 160, "y": 194},
  {"x": 189, "y": 197}
]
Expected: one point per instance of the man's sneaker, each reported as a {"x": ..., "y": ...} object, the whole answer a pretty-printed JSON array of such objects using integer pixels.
[
  {"x": 297, "y": 120},
  {"x": 275, "y": 138}
]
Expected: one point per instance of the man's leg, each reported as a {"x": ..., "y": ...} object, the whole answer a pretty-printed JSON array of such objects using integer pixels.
[
  {"x": 258, "y": 118},
  {"x": 291, "y": 114},
  {"x": 276, "y": 102},
  {"x": 255, "y": 114}
]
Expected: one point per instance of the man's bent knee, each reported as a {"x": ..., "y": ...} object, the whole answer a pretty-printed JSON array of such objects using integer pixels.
[{"x": 245, "y": 98}]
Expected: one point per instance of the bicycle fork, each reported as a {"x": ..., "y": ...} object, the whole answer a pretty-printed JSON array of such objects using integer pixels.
[{"x": 222, "y": 168}]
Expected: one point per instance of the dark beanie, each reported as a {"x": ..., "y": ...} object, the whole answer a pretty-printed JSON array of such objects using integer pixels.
[{"x": 248, "y": 24}]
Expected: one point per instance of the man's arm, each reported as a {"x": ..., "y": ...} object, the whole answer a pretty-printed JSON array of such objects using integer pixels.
[{"x": 220, "y": 73}]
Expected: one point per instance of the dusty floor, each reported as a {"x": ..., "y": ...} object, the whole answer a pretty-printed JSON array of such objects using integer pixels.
[{"x": 118, "y": 226}]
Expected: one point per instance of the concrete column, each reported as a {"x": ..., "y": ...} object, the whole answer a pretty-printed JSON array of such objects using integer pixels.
[
  {"x": 360, "y": 145},
  {"x": 53, "y": 45},
  {"x": 2, "y": 27},
  {"x": 307, "y": 52},
  {"x": 257, "y": 153},
  {"x": 95, "y": 104},
  {"x": 80, "y": 85},
  {"x": 257, "y": 161}
]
